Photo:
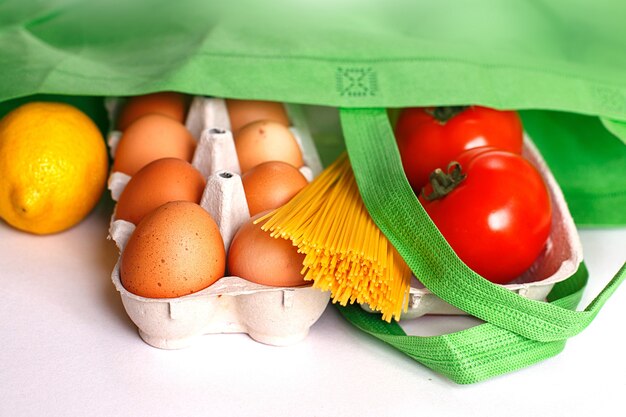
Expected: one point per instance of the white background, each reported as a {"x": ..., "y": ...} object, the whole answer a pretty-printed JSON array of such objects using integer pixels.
[{"x": 68, "y": 349}]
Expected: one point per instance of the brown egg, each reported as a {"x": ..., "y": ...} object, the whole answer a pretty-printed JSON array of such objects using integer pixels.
[
  {"x": 150, "y": 138},
  {"x": 166, "y": 103},
  {"x": 175, "y": 250},
  {"x": 159, "y": 182},
  {"x": 264, "y": 141},
  {"x": 270, "y": 185},
  {"x": 257, "y": 257},
  {"x": 243, "y": 112}
]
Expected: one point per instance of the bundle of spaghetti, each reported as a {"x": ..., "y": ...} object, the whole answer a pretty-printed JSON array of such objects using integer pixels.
[{"x": 345, "y": 252}]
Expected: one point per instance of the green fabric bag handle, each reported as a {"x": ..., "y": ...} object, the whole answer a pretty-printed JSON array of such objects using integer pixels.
[
  {"x": 395, "y": 209},
  {"x": 478, "y": 353}
]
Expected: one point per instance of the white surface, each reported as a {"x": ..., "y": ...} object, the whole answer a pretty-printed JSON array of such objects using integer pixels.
[{"x": 68, "y": 349}]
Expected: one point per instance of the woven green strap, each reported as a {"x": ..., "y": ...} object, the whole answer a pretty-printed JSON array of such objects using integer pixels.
[
  {"x": 478, "y": 353},
  {"x": 395, "y": 209}
]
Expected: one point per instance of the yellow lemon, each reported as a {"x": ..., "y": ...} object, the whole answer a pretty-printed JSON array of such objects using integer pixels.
[{"x": 53, "y": 166}]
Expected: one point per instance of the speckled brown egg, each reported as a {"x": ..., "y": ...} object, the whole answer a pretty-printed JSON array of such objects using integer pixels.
[
  {"x": 270, "y": 185},
  {"x": 174, "y": 251},
  {"x": 166, "y": 103},
  {"x": 264, "y": 141},
  {"x": 150, "y": 138},
  {"x": 243, "y": 112},
  {"x": 159, "y": 182},
  {"x": 257, "y": 257}
]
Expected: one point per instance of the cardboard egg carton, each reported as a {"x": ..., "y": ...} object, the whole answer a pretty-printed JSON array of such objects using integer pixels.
[
  {"x": 272, "y": 315},
  {"x": 559, "y": 260}
]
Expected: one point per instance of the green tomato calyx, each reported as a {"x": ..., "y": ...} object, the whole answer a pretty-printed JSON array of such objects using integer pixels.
[{"x": 443, "y": 183}]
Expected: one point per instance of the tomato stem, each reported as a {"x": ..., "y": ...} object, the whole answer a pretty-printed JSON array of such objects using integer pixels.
[
  {"x": 443, "y": 183},
  {"x": 444, "y": 113}
]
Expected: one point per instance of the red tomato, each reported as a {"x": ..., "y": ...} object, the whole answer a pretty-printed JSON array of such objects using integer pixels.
[
  {"x": 429, "y": 138},
  {"x": 497, "y": 218}
]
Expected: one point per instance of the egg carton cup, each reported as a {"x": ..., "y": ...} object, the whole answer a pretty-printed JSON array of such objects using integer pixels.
[
  {"x": 276, "y": 316},
  {"x": 559, "y": 260}
]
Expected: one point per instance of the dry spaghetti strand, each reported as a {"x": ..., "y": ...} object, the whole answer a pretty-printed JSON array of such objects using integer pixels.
[{"x": 345, "y": 252}]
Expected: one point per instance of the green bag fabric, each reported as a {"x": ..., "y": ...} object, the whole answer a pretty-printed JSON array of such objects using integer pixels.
[
  {"x": 541, "y": 56},
  {"x": 548, "y": 55},
  {"x": 588, "y": 162}
]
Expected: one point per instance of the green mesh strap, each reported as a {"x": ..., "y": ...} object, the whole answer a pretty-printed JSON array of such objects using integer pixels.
[
  {"x": 478, "y": 353},
  {"x": 395, "y": 209}
]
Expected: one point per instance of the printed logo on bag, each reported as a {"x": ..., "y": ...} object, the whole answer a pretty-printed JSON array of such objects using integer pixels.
[
  {"x": 609, "y": 99},
  {"x": 356, "y": 81}
]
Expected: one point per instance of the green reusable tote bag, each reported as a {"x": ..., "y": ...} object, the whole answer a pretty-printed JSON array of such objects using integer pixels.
[{"x": 560, "y": 62}]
